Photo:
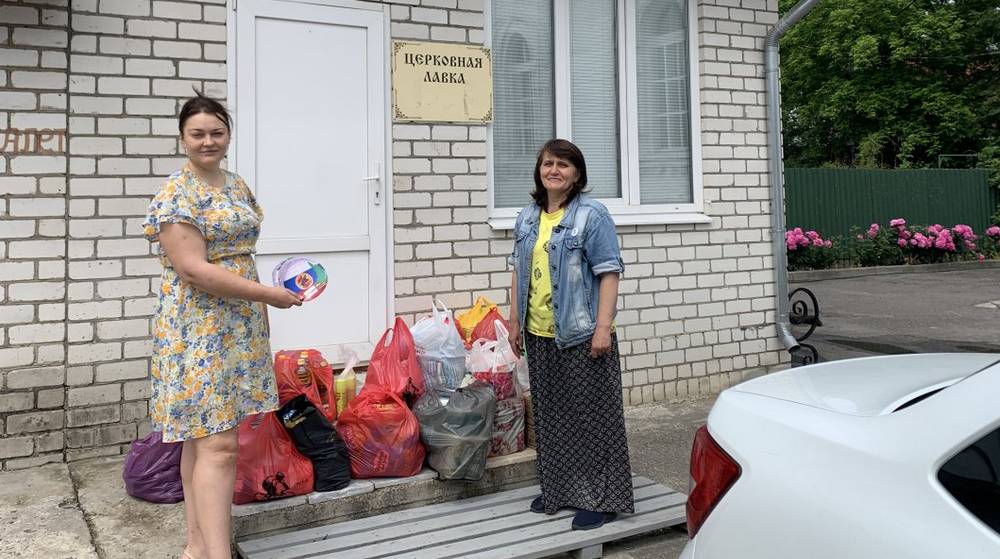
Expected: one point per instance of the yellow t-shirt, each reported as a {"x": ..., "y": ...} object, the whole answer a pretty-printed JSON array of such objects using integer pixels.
[{"x": 541, "y": 320}]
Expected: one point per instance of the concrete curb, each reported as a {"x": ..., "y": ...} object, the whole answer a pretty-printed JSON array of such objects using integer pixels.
[{"x": 840, "y": 273}]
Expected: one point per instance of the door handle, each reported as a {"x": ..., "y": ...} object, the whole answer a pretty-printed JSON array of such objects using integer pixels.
[{"x": 377, "y": 178}]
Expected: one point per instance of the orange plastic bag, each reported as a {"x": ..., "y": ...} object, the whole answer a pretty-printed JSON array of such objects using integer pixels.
[
  {"x": 269, "y": 466},
  {"x": 382, "y": 436},
  {"x": 394, "y": 365},
  {"x": 468, "y": 320},
  {"x": 305, "y": 371}
]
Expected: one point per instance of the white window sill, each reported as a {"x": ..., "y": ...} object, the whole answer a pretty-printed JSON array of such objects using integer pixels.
[{"x": 506, "y": 223}]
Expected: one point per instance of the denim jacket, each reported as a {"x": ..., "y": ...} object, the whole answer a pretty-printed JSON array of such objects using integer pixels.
[{"x": 583, "y": 246}]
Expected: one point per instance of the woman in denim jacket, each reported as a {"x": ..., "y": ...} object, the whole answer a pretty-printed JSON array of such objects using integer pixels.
[{"x": 563, "y": 295}]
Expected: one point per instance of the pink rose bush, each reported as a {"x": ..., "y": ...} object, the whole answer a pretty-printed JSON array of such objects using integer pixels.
[
  {"x": 990, "y": 243},
  {"x": 914, "y": 244},
  {"x": 897, "y": 243},
  {"x": 808, "y": 250}
]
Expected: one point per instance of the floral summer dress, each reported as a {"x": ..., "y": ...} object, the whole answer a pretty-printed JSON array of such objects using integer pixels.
[{"x": 211, "y": 363}]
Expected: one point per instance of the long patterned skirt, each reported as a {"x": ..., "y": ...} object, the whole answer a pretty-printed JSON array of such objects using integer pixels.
[{"x": 580, "y": 427}]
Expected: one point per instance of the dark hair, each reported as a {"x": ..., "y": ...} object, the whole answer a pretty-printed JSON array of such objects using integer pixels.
[
  {"x": 563, "y": 149},
  {"x": 201, "y": 104}
]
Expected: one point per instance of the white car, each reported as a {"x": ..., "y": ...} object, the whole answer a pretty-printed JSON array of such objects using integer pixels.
[{"x": 893, "y": 457}]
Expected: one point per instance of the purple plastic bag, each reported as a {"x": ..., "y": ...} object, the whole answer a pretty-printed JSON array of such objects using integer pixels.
[{"x": 153, "y": 470}]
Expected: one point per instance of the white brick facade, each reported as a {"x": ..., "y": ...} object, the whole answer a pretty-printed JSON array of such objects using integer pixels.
[{"x": 77, "y": 281}]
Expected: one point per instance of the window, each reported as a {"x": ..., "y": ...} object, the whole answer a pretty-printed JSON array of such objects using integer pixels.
[
  {"x": 973, "y": 477},
  {"x": 613, "y": 76}
]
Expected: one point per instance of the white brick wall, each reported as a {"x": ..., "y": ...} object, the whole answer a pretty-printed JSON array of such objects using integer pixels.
[
  {"x": 114, "y": 73},
  {"x": 33, "y": 82},
  {"x": 77, "y": 279},
  {"x": 692, "y": 317}
]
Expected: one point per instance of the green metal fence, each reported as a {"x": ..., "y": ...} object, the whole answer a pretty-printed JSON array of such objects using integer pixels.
[{"x": 832, "y": 201}]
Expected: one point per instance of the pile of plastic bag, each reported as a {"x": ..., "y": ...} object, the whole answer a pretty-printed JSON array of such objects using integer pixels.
[{"x": 450, "y": 391}]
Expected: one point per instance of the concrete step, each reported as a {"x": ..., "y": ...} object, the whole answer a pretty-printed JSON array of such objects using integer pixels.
[{"x": 369, "y": 497}]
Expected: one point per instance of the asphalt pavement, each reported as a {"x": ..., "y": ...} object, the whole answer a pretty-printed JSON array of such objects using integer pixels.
[{"x": 920, "y": 312}]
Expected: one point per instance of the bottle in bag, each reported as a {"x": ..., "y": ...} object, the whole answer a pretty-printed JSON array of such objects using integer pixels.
[
  {"x": 302, "y": 372},
  {"x": 340, "y": 393}
]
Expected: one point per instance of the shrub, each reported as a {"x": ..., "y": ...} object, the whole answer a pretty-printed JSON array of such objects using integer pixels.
[
  {"x": 990, "y": 246},
  {"x": 808, "y": 250},
  {"x": 875, "y": 247},
  {"x": 935, "y": 243}
]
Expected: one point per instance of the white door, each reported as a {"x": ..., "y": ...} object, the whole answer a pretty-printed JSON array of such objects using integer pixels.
[{"x": 310, "y": 139}]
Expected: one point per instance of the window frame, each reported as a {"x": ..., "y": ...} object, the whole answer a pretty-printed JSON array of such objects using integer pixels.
[{"x": 626, "y": 209}]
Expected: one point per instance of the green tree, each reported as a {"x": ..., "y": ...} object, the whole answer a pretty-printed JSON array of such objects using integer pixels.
[{"x": 891, "y": 83}]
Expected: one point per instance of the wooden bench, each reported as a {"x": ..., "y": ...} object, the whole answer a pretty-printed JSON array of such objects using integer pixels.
[{"x": 488, "y": 527}]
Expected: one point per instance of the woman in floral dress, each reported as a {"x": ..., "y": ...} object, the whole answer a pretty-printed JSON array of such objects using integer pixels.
[{"x": 211, "y": 364}]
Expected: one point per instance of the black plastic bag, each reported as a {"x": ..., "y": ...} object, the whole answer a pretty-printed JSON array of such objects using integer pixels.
[
  {"x": 318, "y": 441},
  {"x": 456, "y": 428}
]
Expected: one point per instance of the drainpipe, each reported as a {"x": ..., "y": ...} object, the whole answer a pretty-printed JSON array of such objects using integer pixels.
[{"x": 776, "y": 167}]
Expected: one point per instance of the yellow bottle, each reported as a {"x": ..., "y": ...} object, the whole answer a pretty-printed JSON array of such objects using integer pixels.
[{"x": 340, "y": 392}]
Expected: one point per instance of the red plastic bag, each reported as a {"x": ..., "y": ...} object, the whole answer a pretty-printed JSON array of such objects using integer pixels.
[
  {"x": 305, "y": 371},
  {"x": 382, "y": 435},
  {"x": 269, "y": 466},
  {"x": 394, "y": 366},
  {"x": 486, "y": 329}
]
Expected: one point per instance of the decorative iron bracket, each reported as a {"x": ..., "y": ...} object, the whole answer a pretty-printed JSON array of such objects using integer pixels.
[{"x": 804, "y": 318}]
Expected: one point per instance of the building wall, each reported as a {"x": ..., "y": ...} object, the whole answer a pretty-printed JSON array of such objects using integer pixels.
[
  {"x": 696, "y": 309},
  {"x": 77, "y": 280}
]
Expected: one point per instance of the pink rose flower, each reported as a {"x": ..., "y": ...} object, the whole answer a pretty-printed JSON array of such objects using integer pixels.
[
  {"x": 965, "y": 232},
  {"x": 993, "y": 231},
  {"x": 898, "y": 222},
  {"x": 944, "y": 241}
]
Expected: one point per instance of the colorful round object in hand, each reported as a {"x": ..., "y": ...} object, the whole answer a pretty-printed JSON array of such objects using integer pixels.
[{"x": 301, "y": 276}]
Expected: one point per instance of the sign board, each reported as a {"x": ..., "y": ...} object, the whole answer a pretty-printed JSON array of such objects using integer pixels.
[{"x": 441, "y": 82}]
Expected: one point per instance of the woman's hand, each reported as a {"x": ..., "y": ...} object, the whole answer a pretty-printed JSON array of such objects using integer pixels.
[
  {"x": 600, "y": 343},
  {"x": 282, "y": 298},
  {"x": 514, "y": 337}
]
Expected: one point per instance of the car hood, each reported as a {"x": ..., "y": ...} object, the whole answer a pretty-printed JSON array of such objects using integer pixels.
[{"x": 868, "y": 386}]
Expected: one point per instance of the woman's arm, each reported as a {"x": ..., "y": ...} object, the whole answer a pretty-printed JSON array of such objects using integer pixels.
[
  {"x": 515, "y": 317},
  {"x": 184, "y": 247},
  {"x": 607, "y": 299}
]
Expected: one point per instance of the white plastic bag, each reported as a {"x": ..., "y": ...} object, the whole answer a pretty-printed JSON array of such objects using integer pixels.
[
  {"x": 437, "y": 334},
  {"x": 495, "y": 362},
  {"x": 519, "y": 365},
  {"x": 506, "y": 359},
  {"x": 481, "y": 356},
  {"x": 440, "y": 350}
]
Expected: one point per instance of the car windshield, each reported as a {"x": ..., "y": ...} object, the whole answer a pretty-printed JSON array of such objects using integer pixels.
[{"x": 973, "y": 477}]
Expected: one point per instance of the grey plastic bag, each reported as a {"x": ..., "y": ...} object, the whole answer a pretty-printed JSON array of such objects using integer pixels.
[{"x": 456, "y": 427}]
